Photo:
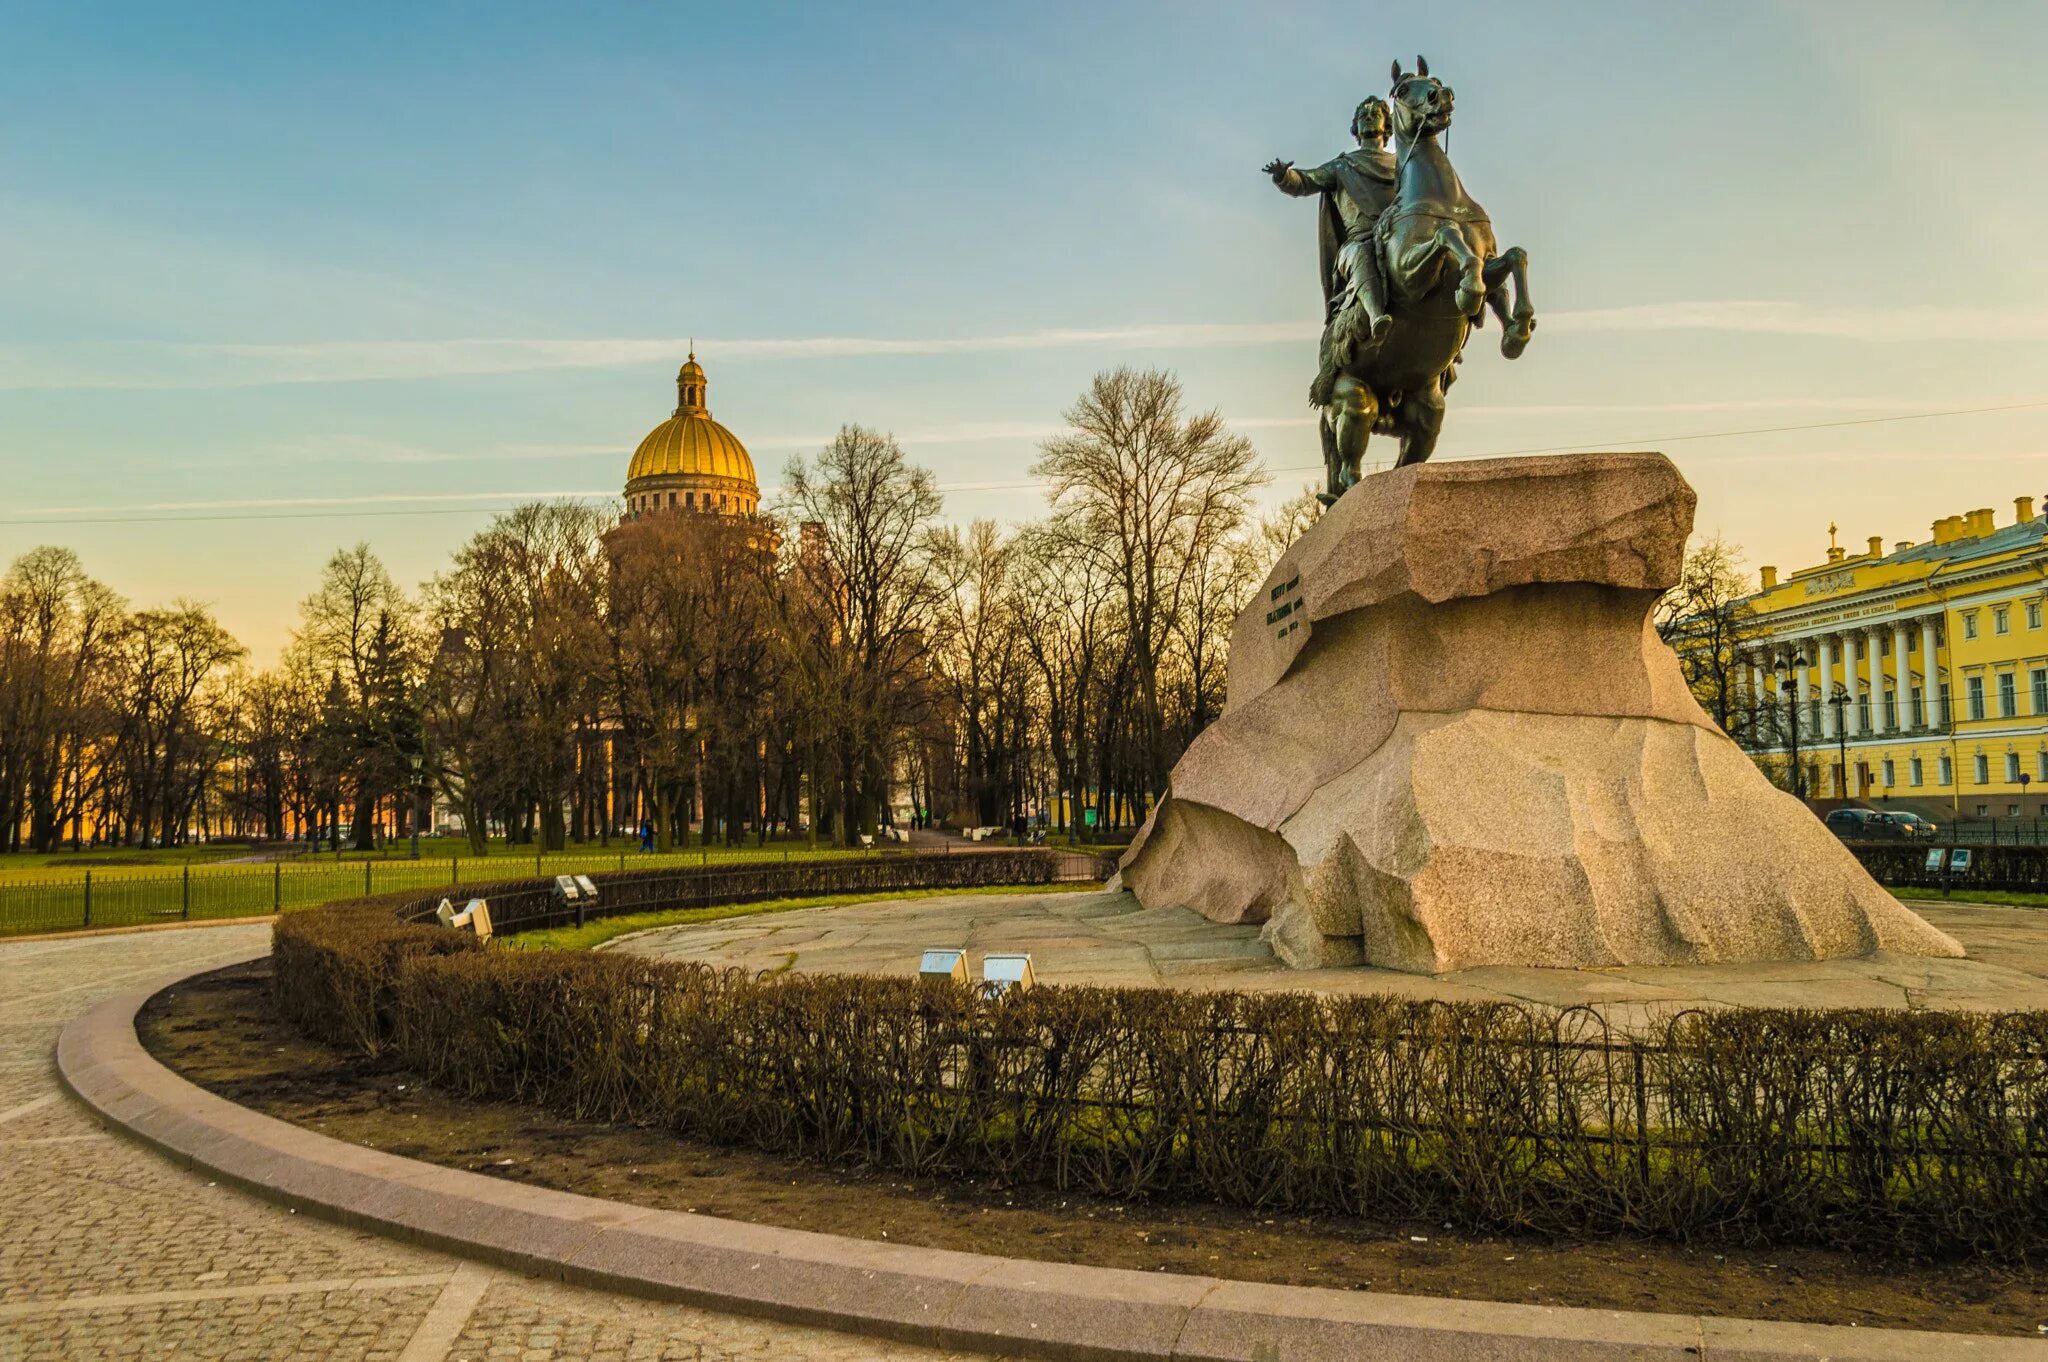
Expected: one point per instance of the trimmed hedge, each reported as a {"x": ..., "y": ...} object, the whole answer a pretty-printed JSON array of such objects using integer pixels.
[{"x": 1910, "y": 1133}]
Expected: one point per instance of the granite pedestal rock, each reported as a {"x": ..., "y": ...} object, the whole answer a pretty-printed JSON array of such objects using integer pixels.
[{"x": 1454, "y": 739}]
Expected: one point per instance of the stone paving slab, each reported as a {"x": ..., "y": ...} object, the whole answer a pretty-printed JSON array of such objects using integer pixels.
[
  {"x": 108, "y": 1250},
  {"x": 800, "y": 1280},
  {"x": 1108, "y": 939}
]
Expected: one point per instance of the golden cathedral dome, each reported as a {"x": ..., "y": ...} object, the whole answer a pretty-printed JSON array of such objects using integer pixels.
[{"x": 690, "y": 461}]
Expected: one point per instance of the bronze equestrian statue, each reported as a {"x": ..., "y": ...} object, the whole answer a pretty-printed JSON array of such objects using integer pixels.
[{"x": 1409, "y": 267}]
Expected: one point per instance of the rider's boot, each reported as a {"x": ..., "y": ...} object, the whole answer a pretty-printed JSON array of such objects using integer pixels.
[{"x": 1372, "y": 295}]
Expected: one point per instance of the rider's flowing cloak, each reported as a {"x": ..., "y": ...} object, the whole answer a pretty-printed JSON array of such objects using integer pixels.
[{"x": 1357, "y": 180}]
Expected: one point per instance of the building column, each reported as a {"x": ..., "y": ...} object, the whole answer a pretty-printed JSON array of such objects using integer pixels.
[
  {"x": 1873, "y": 671},
  {"x": 1930, "y": 689},
  {"x": 1807, "y": 722},
  {"x": 1903, "y": 688},
  {"x": 1827, "y": 686},
  {"x": 1756, "y": 690}
]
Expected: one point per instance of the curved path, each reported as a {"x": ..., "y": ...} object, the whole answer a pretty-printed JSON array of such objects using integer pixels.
[
  {"x": 108, "y": 1250},
  {"x": 126, "y": 1256}
]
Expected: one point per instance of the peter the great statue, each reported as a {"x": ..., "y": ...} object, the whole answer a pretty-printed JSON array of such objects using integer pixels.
[{"x": 1409, "y": 267}]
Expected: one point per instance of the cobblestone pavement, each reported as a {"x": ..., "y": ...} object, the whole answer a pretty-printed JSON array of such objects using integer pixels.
[{"x": 109, "y": 1251}]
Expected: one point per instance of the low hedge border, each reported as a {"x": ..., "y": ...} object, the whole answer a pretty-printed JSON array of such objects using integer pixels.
[{"x": 1908, "y": 1133}]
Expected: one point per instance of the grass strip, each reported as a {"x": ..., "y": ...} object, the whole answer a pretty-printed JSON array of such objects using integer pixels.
[
  {"x": 1964, "y": 894},
  {"x": 593, "y": 934}
]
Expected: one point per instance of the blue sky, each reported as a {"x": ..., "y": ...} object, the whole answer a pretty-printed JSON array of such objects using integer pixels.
[{"x": 339, "y": 272}]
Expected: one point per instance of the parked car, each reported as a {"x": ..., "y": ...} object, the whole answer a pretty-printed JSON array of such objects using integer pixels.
[
  {"x": 1863, "y": 825},
  {"x": 1913, "y": 826}
]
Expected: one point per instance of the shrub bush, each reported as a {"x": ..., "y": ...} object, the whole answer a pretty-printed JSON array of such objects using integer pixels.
[{"x": 1911, "y": 1133}]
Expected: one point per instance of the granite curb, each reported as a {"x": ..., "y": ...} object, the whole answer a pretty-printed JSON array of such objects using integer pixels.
[{"x": 929, "y": 1296}]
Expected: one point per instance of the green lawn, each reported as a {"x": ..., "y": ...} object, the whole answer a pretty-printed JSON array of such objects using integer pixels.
[
  {"x": 592, "y": 934},
  {"x": 60, "y": 896},
  {"x": 1964, "y": 894}
]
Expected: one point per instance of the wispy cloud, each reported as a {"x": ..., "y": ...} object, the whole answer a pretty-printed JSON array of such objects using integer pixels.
[
  {"x": 231, "y": 365},
  {"x": 1835, "y": 322},
  {"x": 387, "y": 499}
]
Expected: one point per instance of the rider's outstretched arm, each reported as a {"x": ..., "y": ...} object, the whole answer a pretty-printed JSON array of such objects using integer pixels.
[{"x": 1301, "y": 183}]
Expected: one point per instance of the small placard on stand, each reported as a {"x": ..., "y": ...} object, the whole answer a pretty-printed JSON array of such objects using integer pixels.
[
  {"x": 1001, "y": 973},
  {"x": 944, "y": 964}
]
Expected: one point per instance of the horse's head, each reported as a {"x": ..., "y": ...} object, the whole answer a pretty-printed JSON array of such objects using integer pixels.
[{"x": 1421, "y": 102}]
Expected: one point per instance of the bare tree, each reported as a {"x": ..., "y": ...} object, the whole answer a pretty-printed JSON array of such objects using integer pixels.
[
  {"x": 57, "y": 632},
  {"x": 1708, "y": 620},
  {"x": 165, "y": 745},
  {"x": 357, "y": 628},
  {"x": 859, "y": 608},
  {"x": 980, "y": 658},
  {"x": 1289, "y": 521},
  {"x": 692, "y": 631},
  {"x": 1148, "y": 493},
  {"x": 1224, "y": 579}
]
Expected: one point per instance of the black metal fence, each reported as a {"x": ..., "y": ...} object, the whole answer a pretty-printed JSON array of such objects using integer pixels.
[
  {"x": 121, "y": 897},
  {"x": 2006, "y": 868},
  {"x": 1996, "y": 832}
]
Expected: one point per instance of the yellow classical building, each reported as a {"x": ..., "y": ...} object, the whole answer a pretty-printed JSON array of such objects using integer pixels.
[{"x": 1920, "y": 674}]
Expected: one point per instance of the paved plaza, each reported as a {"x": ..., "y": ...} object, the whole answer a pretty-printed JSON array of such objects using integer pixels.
[
  {"x": 1107, "y": 939},
  {"x": 110, "y": 1251}
]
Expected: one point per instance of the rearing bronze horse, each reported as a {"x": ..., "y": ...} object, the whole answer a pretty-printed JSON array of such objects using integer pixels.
[{"x": 1442, "y": 270}]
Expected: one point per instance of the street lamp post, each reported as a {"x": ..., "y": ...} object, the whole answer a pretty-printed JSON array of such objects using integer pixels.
[
  {"x": 1788, "y": 684},
  {"x": 1840, "y": 702},
  {"x": 417, "y": 763}
]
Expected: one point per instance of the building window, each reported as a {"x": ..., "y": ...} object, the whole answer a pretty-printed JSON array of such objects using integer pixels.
[
  {"x": 1948, "y": 773},
  {"x": 1863, "y": 713},
  {"x": 2008, "y": 698},
  {"x": 690, "y": 501},
  {"x": 2012, "y": 768},
  {"x": 1947, "y": 713},
  {"x": 2033, "y": 614},
  {"x": 2012, "y": 811},
  {"x": 1969, "y": 624},
  {"x": 1891, "y": 773},
  {"x": 2042, "y": 763},
  {"x": 2040, "y": 680},
  {"x": 1914, "y": 716},
  {"x": 2001, "y": 620},
  {"x": 1982, "y": 764},
  {"x": 1916, "y": 771},
  {"x": 1975, "y": 687},
  {"x": 1891, "y": 709},
  {"x": 1983, "y": 810}
]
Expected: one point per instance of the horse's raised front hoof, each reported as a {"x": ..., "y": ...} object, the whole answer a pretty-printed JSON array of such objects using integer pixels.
[{"x": 1516, "y": 340}]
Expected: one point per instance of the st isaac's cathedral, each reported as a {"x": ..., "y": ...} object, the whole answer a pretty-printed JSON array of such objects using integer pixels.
[{"x": 690, "y": 462}]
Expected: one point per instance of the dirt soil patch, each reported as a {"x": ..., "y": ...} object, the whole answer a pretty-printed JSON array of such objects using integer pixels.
[{"x": 219, "y": 1031}]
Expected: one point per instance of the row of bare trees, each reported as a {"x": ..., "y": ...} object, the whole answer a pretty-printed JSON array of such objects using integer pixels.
[{"x": 569, "y": 677}]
